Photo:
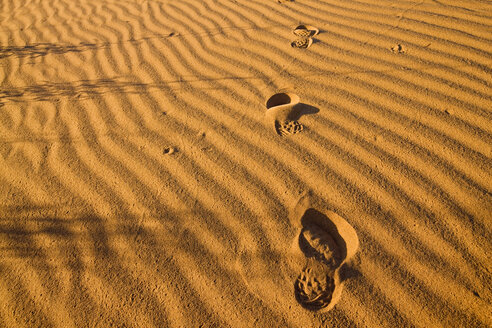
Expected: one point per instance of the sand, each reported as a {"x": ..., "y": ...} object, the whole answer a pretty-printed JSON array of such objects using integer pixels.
[{"x": 146, "y": 180}]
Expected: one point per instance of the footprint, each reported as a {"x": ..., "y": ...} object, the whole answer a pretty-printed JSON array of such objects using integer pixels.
[
  {"x": 305, "y": 31},
  {"x": 288, "y": 127},
  {"x": 327, "y": 241},
  {"x": 281, "y": 111},
  {"x": 303, "y": 43},
  {"x": 314, "y": 287}
]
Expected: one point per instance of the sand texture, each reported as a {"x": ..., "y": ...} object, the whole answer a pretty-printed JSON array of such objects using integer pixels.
[{"x": 245, "y": 163}]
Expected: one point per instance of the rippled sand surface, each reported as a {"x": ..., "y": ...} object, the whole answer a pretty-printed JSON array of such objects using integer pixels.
[{"x": 203, "y": 163}]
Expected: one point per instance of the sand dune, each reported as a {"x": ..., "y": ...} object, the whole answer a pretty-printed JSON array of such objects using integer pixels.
[{"x": 146, "y": 181}]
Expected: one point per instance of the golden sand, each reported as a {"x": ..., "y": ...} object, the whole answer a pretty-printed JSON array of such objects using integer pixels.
[{"x": 245, "y": 163}]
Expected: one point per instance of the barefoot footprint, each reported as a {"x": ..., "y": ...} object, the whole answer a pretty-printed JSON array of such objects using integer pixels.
[{"x": 328, "y": 241}]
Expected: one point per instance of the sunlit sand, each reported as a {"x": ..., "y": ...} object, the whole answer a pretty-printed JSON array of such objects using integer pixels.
[{"x": 245, "y": 163}]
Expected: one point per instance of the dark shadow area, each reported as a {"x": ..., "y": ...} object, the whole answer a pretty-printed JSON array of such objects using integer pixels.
[
  {"x": 42, "y": 49},
  {"x": 315, "y": 219},
  {"x": 65, "y": 255},
  {"x": 279, "y": 99},
  {"x": 19, "y": 233},
  {"x": 302, "y": 109},
  {"x": 131, "y": 267},
  {"x": 347, "y": 272},
  {"x": 82, "y": 89}
]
